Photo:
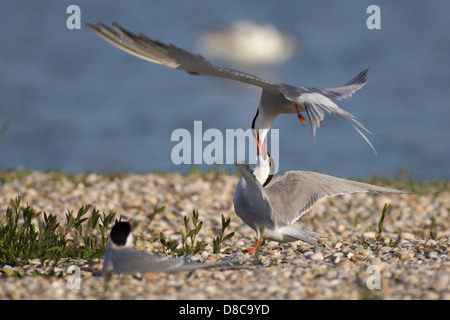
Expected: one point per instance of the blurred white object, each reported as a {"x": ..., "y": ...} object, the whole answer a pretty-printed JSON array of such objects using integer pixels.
[{"x": 246, "y": 42}]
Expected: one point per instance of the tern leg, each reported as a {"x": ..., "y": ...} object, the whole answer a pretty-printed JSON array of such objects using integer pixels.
[
  {"x": 300, "y": 116},
  {"x": 258, "y": 243}
]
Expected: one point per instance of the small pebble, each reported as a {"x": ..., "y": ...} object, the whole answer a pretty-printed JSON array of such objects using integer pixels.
[
  {"x": 414, "y": 268},
  {"x": 369, "y": 235},
  {"x": 407, "y": 236},
  {"x": 317, "y": 256},
  {"x": 36, "y": 262}
]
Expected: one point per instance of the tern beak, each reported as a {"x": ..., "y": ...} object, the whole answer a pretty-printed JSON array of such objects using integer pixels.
[{"x": 259, "y": 147}]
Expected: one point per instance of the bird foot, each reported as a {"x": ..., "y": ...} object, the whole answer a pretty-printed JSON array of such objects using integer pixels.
[
  {"x": 300, "y": 116},
  {"x": 258, "y": 244}
]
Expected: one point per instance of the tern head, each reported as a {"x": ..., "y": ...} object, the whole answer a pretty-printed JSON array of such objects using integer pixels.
[
  {"x": 264, "y": 170},
  {"x": 121, "y": 235}
]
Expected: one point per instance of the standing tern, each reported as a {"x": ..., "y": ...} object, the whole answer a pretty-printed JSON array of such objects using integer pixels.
[
  {"x": 271, "y": 210},
  {"x": 275, "y": 98},
  {"x": 122, "y": 257}
]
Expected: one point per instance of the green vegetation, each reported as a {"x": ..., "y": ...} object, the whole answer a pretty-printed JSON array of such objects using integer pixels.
[
  {"x": 380, "y": 241},
  {"x": 379, "y": 236},
  {"x": 193, "y": 246},
  {"x": 217, "y": 244},
  {"x": 187, "y": 248},
  {"x": 433, "y": 233},
  {"x": 27, "y": 234},
  {"x": 21, "y": 240}
]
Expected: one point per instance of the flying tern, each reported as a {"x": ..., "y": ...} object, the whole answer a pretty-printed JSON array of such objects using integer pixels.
[
  {"x": 122, "y": 257},
  {"x": 272, "y": 209},
  {"x": 275, "y": 98}
]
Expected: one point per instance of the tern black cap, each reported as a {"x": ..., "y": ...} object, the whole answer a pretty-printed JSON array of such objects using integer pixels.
[{"x": 120, "y": 232}]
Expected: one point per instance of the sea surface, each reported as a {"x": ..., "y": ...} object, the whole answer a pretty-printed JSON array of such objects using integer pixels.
[{"x": 70, "y": 101}]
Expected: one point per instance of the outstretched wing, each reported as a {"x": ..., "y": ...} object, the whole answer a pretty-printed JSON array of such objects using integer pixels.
[
  {"x": 172, "y": 56},
  {"x": 296, "y": 192},
  {"x": 343, "y": 92},
  {"x": 316, "y": 105},
  {"x": 317, "y": 102}
]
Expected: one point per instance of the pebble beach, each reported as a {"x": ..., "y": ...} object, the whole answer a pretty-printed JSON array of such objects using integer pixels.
[{"x": 350, "y": 263}]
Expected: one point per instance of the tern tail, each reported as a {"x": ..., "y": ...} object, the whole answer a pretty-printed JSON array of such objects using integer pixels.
[{"x": 290, "y": 233}]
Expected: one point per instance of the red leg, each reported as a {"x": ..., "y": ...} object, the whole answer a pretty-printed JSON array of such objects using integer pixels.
[
  {"x": 255, "y": 246},
  {"x": 300, "y": 117}
]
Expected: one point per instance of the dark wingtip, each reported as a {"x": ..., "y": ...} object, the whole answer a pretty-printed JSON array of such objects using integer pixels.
[{"x": 360, "y": 78}]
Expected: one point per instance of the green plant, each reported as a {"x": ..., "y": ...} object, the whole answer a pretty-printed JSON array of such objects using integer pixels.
[
  {"x": 379, "y": 237},
  {"x": 21, "y": 241},
  {"x": 433, "y": 233},
  {"x": 187, "y": 247},
  {"x": 86, "y": 245},
  {"x": 156, "y": 210},
  {"x": 217, "y": 243},
  {"x": 18, "y": 242}
]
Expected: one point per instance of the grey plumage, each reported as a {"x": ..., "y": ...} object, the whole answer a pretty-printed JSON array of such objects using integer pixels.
[
  {"x": 171, "y": 56},
  {"x": 123, "y": 258},
  {"x": 275, "y": 98},
  {"x": 280, "y": 204}
]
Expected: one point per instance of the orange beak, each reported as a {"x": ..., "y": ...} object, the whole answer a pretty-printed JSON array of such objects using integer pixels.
[{"x": 259, "y": 147}]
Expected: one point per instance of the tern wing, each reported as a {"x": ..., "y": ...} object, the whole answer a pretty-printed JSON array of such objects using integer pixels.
[
  {"x": 296, "y": 192},
  {"x": 343, "y": 92},
  {"x": 132, "y": 261},
  {"x": 317, "y": 101},
  {"x": 316, "y": 105},
  {"x": 195, "y": 266},
  {"x": 172, "y": 56}
]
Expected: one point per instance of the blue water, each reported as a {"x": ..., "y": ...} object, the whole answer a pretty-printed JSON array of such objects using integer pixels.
[{"x": 78, "y": 104}]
